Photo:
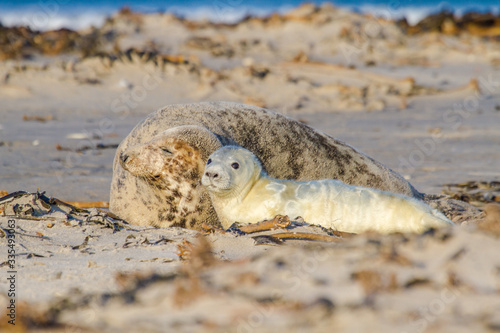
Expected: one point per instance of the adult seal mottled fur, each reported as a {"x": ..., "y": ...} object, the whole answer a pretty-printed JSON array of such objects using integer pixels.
[
  {"x": 155, "y": 183},
  {"x": 242, "y": 192}
]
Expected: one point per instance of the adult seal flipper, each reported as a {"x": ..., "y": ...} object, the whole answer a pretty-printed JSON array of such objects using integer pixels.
[{"x": 287, "y": 148}]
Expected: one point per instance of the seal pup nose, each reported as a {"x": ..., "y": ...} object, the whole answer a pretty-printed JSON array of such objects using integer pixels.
[{"x": 211, "y": 174}]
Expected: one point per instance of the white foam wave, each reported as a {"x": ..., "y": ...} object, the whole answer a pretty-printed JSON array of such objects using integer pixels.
[
  {"x": 415, "y": 14},
  {"x": 44, "y": 19}
]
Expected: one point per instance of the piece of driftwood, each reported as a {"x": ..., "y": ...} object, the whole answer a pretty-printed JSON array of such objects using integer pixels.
[
  {"x": 279, "y": 222},
  {"x": 93, "y": 204},
  {"x": 306, "y": 235},
  {"x": 210, "y": 228}
]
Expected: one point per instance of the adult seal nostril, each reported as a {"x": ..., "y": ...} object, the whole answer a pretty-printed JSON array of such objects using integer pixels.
[{"x": 124, "y": 158}]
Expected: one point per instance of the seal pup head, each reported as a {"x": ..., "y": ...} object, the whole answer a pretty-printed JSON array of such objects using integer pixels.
[{"x": 230, "y": 170}]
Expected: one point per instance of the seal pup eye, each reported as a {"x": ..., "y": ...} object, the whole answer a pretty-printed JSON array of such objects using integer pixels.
[
  {"x": 209, "y": 161},
  {"x": 235, "y": 166}
]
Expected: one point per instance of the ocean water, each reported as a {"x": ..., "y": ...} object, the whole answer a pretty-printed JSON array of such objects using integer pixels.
[{"x": 78, "y": 14}]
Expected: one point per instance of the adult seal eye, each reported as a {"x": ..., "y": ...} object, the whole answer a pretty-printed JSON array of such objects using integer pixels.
[
  {"x": 165, "y": 149},
  {"x": 235, "y": 166},
  {"x": 209, "y": 161}
]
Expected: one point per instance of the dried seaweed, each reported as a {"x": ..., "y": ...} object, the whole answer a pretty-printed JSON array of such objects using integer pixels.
[{"x": 476, "y": 193}]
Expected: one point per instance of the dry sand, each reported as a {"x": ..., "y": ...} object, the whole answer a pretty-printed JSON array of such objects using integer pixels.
[{"x": 426, "y": 105}]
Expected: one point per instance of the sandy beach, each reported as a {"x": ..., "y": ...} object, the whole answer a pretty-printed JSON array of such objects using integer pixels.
[{"x": 423, "y": 101}]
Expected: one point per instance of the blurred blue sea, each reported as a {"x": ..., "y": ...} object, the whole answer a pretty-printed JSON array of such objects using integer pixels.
[{"x": 77, "y": 14}]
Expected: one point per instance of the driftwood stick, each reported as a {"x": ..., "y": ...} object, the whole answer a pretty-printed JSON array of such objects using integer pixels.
[
  {"x": 83, "y": 205},
  {"x": 210, "y": 228},
  {"x": 279, "y": 221},
  {"x": 306, "y": 235},
  {"x": 343, "y": 234}
]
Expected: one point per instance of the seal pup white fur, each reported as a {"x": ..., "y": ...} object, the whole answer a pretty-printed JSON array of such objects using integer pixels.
[{"x": 241, "y": 191}]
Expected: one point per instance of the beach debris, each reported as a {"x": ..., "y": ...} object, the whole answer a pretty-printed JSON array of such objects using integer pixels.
[
  {"x": 341, "y": 234},
  {"x": 133, "y": 280},
  {"x": 279, "y": 222},
  {"x": 211, "y": 229},
  {"x": 267, "y": 240},
  {"x": 184, "y": 249},
  {"x": 21, "y": 42},
  {"x": 92, "y": 204},
  {"x": 474, "y": 23},
  {"x": 305, "y": 236},
  {"x": 218, "y": 46},
  {"x": 374, "y": 82},
  {"x": 130, "y": 17},
  {"x": 301, "y": 57},
  {"x": 282, "y": 222},
  {"x": 89, "y": 81},
  {"x": 491, "y": 222},
  {"x": 302, "y": 12},
  {"x": 373, "y": 281},
  {"x": 477, "y": 193},
  {"x": 24, "y": 204},
  {"x": 39, "y": 207},
  {"x": 133, "y": 241},
  {"x": 83, "y": 245},
  {"x": 279, "y": 237},
  {"x": 259, "y": 72},
  {"x": 255, "y": 101},
  {"x": 41, "y": 119},
  {"x": 389, "y": 254},
  {"x": 198, "y": 257},
  {"x": 78, "y": 136},
  {"x": 99, "y": 146}
]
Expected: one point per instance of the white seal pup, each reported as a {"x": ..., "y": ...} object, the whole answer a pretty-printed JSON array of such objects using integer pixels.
[
  {"x": 288, "y": 149},
  {"x": 241, "y": 191}
]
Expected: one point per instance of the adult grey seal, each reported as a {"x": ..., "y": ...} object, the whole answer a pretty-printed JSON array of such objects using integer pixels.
[
  {"x": 241, "y": 191},
  {"x": 288, "y": 149}
]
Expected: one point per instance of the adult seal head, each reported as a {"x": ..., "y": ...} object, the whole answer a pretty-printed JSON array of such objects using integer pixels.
[
  {"x": 165, "y": 175},
  {"x": 241, "y": 191}
]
